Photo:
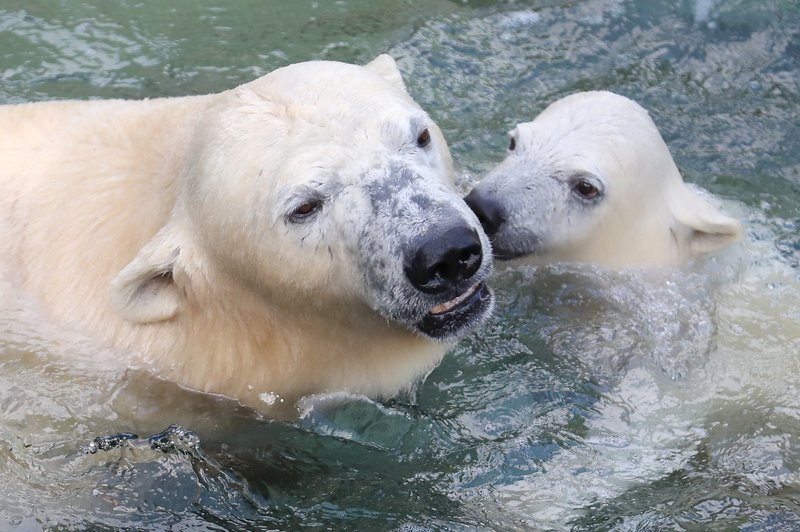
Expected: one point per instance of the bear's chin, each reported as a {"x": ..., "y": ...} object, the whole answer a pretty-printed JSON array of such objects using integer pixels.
[
  {"x": 522, "y": 244},
  {"x": 451, "y": 320}
]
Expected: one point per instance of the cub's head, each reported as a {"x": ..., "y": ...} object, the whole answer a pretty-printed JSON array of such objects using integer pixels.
[
  {"x": 323, "y": 188},
  {"x": 591, "y": 179}
]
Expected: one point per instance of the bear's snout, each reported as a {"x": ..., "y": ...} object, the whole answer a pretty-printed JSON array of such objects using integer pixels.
[
  {"x": 488, "y": 209},
  {"x": 445, "y": 261}
]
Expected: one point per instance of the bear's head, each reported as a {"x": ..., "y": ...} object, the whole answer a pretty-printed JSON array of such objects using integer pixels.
[
  {"x": 323, "y": 190},
  {"x": 591, "y": 180}
]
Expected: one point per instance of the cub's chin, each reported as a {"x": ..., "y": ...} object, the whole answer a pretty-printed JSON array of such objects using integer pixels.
[{"x": 516, "y": 246}]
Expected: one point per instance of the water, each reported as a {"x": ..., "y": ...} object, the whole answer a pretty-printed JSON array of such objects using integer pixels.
[{"x": 593, "y": 399}]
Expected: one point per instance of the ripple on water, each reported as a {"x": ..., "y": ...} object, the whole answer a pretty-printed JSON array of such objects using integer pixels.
[{"x": 618, "y": 400}]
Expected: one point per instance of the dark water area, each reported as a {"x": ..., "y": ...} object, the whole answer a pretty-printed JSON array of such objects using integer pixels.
[{"x": 592, "y": 400}]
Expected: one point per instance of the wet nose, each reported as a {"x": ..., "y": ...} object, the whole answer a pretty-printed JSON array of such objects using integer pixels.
[
  {"x": 443, "y": 261},
  {"x": 488, "y": 209}
]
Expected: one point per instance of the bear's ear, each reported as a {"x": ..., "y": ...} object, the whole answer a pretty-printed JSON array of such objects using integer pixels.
[
  {"x": 699, "y": 227},
  {"x": 145, "y": 291},
  {"x": 385, "y": 67}
]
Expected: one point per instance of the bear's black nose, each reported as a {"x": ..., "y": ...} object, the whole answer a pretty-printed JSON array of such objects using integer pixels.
[
  {"x": 445, "y": 260},
  {"x": 488, "y": 209}
]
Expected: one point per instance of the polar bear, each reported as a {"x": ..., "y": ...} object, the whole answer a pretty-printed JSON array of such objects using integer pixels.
[
  {"x": 591, "y": 180},
  {"x": 300, "y": 233}
]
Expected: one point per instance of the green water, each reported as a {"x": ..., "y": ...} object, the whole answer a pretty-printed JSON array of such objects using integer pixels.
[{"x": 592, "y": 400}]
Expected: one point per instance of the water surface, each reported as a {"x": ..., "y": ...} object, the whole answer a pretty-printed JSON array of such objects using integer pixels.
[{"x": 594, "y": 399}]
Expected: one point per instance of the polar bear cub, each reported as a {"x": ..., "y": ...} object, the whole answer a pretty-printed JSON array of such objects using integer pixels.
[
  {"x": 591, "y": 180},
  {"x": 297, "y": 234}
]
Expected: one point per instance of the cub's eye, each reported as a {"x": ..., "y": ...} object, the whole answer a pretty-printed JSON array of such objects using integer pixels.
[
  {"x": 512, "y": 144},
  {"x": 305, "y": 210},
  {"x": 424, "y": 138},
  {"x": 586, "y": 189}
]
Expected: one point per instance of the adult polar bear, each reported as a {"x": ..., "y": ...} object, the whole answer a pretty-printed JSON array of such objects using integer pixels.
[
  {"x": 297, "y": 234},
  {"x": 591, "y": 180}
]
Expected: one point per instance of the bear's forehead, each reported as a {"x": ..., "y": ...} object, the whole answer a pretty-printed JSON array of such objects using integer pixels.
[
  {"x": 595, "y": 114},
  {"x": 352, "y": 121},
  {"x": 334, "y": 89},
  {"x": 596, "y": 137}
]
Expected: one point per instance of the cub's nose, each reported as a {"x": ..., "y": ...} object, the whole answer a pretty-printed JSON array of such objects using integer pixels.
[
  {"x": 445, "y": 260},
  {"x": 488, "y": 209}
]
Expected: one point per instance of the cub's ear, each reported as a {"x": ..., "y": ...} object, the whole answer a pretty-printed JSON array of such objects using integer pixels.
[
  {"x": 385, "y": 67},
  {"x": 145, "y": 291},
  {"x": 699, "y": 227}
]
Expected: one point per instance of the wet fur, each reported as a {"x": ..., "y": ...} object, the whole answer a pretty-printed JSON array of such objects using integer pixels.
[
  {"x": 162, "y": 226},
  {"x": 646, "y": 214}
]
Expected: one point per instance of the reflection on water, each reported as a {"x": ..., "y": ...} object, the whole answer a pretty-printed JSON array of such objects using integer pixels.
[
  {"x": 626, "y": 400},
  {"x": 135, "y": 49}
]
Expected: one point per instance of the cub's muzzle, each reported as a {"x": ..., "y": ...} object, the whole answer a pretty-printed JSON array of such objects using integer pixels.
[{"x": 488, "y": 209}]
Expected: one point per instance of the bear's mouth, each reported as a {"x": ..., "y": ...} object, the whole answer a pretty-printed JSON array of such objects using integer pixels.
[
  {"x": 523, "y": 244},
  {"x": 452, "y": 318},
  {"x": 502, "y": 254}
]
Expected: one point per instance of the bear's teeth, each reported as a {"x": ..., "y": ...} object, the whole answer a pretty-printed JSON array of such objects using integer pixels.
[{"x": 444, "y": 307}]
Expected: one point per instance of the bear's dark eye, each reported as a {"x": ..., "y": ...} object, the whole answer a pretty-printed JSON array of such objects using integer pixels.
[
  {"x": 424, "y": 138},
  {"x": 512, "y": 144},
  {"x": 305, "y": 210},
  {"x": 586, "y": 189}
]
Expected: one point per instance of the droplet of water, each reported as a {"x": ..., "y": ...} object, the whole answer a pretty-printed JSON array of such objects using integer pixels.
[{"x": 269, "y": 398}]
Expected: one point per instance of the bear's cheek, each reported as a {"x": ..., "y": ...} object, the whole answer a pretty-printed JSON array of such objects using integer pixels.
[
  {"x": 280, "y": 262},
  {"x": 572, "y": 225},
  {"x": 323, "y": 264}
]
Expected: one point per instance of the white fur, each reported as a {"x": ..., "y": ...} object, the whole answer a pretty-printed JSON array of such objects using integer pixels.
[
  {"x": 654, "y": 416},
  {"x": 646, "y": 213},
  {"x": 161, "y": 226}
]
